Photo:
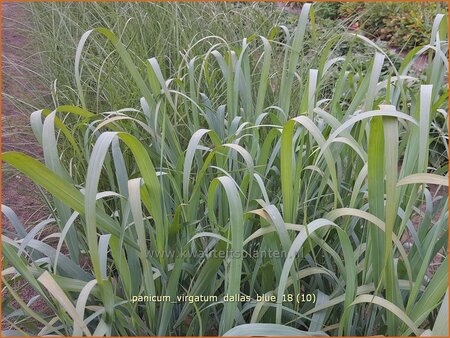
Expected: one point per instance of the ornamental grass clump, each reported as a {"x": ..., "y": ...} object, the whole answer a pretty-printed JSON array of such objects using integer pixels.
[{"x": 300, "y": 201}]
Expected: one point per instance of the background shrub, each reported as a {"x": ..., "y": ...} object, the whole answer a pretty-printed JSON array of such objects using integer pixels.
[{"x": 401, "y": 25}]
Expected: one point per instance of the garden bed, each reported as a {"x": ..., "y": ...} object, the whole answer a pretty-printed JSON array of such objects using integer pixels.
[{"x": 297, "y": 176}]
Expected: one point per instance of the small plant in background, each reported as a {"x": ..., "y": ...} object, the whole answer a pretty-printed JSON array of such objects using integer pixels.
[
  {"x": 405, "y": 29},
  {"x": 401, "y": 25},
  {"x": 228, "y": 154}
]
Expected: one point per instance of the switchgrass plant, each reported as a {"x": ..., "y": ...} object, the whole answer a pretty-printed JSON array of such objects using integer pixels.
[
  {"x": 302, "y": 200},
  {"x": 162, "y": 29}
]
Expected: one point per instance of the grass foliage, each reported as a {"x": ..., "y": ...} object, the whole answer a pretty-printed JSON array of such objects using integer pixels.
[
  {"x": 163, "y": 30},
  {"x": 236, "y": 151}
]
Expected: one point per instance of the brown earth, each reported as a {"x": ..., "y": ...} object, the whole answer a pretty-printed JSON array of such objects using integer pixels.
[
  {"x": 18, "y": 192},
  {"x": 18, "y": 78}
]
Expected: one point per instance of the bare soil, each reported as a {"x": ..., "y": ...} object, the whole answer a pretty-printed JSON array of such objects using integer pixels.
[
  {"x": 18, "y": 192},
  {"x": 18, "y": 78}
]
